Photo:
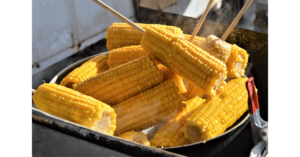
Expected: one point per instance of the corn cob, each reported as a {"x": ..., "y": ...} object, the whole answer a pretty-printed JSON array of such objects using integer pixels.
[
  {"x": 237, "y": 62},
  {"x": 221, "y": 88},
  {"x": 148, "y": 108},
  {"x": 87, "y": 70},
  {"x": 196, "y": 41},
  {"x": 122, "y": 82},
  {"x": 121, "y": 34},
  {"x": 216, "y": 47},
  {"x": 169, "y": 134},
  {"x": 168, "y": 75},
  {"x": 185, "y": 59},
  {"x": 217, "y": 114},
  {"x": 125, "y": 54},
  {"x": 213, "y": 45},
  {"x": 138, "y": 137},
  {"x": 236, "y": 58},
  {"x": 193, "y": 91},
  {"x": 76, "y": 107}
]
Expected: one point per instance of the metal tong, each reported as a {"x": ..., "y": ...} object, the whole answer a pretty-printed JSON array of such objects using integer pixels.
[{"x": 258, "y": 125}]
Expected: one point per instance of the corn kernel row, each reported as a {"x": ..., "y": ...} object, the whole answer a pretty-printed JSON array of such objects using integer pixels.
[
  {"x": 71, "y": 105},
  {"x": 121, "y": 34},
  {"x": 125, "y": 54},
  {"x": 87, "y": 70},
  {"x": 217, "y": 114},
  {"x": 122, "y": 82},
  {"x": 169, "y": 135},
  {"x": 148, "y": 108},
  {"x": 185, "y": 59}
]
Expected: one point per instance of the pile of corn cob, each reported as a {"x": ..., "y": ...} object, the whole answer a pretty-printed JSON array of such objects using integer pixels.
[{"x": 151, "y": 78}]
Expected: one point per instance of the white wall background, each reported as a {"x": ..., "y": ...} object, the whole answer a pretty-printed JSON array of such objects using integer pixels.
[{"x": 58, "y": 26}]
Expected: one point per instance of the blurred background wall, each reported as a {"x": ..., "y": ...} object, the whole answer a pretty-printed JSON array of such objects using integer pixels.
[{"x": 62, "y": 29}]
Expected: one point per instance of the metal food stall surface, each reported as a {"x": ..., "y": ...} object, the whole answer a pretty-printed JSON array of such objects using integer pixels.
[{"x": 52, "y": 136}]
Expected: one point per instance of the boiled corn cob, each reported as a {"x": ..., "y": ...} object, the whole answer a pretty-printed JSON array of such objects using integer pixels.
[
  {"x": 236, "y": 58},
  {"x": 87, "y": 70},
  {"x": 121, "y": 34},
  {"x": 76, "y": 107},
  {"x": 213, "y": 45},
  {"x": 217, "y": 114},
  {"x": 138, "y": 137},
  {"x": 148, "y": 108},
  {"x": 216, "y": 47},
  {"x": 122, "y": 82},
  {"x": 125, "y": 54},
  {"x": 193, "y": 91},
  {"x": 196, "y": 41},
  {"x": 221, "y": 88},
  {"x": 237, "y": 62},
  {"x": 169, "y": 75},
  {"x": 169, "y": 135},
  {"x": 185, "y": 59}
]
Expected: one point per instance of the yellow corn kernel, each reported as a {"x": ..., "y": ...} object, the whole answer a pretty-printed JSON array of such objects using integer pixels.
[
  {"x": 193, "y": 91},
  {"x": 196, "y": 41},
  {"x": 218, "y": 113},
  {"x": 76, "y": 107},
  {"x": 236, "y": 58},
  {"x": 121, "y": 34},
  {"x": 237, "y": 62},
  {"x": 125, "y": 54},
  {"x": 213, "y": 45},
  {"x": 221, "y": 88},
  {"x": 138, "y": 137},
  {"x": 216, "y": 47},
  {"x": 148, "y": 108},
  {"x": 185, "y": 59},
  {"x": 169, "y": 75},
  {"x": 122, "y": 82},
  {"x": 87, "y": 70},
  {"x": 169, "y": 135}
]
